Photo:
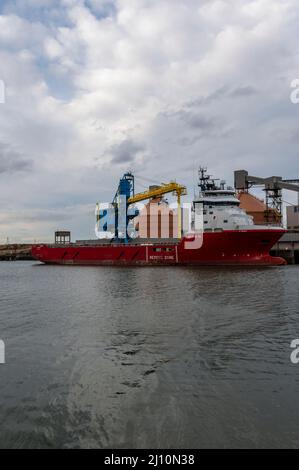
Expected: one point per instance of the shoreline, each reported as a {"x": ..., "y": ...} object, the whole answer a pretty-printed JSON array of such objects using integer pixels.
[{"x": 16, "y": 252}]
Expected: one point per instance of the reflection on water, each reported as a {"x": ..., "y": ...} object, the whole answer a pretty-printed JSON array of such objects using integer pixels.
[{"x": 148, "y": 357}]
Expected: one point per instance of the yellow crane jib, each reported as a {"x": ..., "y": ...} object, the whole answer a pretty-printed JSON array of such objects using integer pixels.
[{"x": 171, "y": 187}]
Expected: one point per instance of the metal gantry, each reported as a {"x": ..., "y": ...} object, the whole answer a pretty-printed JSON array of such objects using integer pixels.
[
  {"x": 125, "y": 194},
  {"x": 158, "y": 191},
  {"x": 273, "y": 186}
]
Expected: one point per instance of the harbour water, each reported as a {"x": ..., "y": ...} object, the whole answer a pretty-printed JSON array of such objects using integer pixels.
[{"x": 148, "y": 357}]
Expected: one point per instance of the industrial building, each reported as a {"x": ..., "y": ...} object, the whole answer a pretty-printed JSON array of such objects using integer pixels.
[
  {"x": 157, "y": 220},
  {"x": 270, "y": 212},
  {"x": 293, "y": 217},
  {"x": 256, "y": 208}
]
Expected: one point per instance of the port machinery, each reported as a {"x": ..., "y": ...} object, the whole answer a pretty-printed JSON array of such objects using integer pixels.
[
  {"x": 126, "y": 192},
  {"x": 273, "y": 186}
]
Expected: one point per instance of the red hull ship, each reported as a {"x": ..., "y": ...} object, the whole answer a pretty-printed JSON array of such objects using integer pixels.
[
  {"x": 249, "y": 247},
  {"x": 227, "y": 234}
]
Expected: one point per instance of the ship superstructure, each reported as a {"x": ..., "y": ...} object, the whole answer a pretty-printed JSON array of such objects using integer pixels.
[{"x": 220, "y": 206}]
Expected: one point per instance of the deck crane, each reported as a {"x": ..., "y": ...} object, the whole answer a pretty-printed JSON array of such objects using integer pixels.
[
  {"x": 273, "y": 187},
  {"x": 125, "y": 196},
  {"x": 158, "y": 191}
]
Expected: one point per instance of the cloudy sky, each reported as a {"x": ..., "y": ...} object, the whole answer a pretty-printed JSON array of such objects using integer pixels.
[{"x": 97, "y": 87}]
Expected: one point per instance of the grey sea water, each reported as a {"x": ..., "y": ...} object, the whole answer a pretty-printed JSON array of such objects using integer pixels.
[{"x": 148, "y": 357}]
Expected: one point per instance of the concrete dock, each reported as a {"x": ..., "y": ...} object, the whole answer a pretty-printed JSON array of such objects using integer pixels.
[
  {"x": 288, "y": 247},
  {"x": 15, "y": 252}
]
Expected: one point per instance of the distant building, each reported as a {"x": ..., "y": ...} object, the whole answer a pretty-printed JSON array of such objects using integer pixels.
[
  {"x": 257, "y": 209},
  {"x": 157, "y": 220},
  {"x": 293, "y": 217}
]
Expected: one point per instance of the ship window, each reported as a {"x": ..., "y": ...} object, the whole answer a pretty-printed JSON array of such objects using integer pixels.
[
  {"x": 168, "y": 249},
  {"x": 211, "y": 212},
  {"x": 157, "y": 250},
  {"x": 225, "y": 221},
  {"x": 206, "y": 221},
  {"x": 204, "y": 212}
]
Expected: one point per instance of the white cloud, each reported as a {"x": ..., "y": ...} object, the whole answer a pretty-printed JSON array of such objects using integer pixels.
[{"x": 174, "y": 83}]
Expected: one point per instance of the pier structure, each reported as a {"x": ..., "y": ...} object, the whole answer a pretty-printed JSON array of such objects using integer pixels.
[{"x": 288, "y": 247}]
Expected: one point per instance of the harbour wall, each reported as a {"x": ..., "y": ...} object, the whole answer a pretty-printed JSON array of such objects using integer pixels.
[
  {"x": 288, "y": 247},
  {"x": 15, "y": 252}
]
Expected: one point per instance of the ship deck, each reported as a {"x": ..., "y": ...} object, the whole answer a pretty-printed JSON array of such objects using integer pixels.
[{"x": 136, "y": 242}]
